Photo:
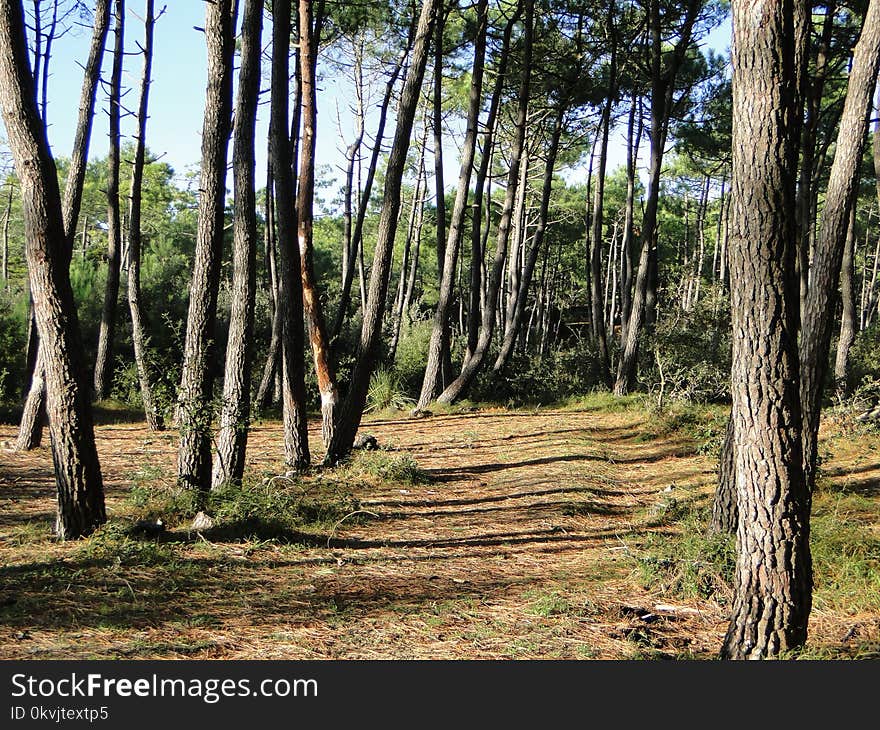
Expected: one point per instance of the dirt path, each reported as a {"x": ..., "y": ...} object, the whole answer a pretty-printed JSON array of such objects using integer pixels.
[{"x": 524, "y": 544}]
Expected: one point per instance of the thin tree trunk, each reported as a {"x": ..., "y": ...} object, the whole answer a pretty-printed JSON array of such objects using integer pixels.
[
  {"x": 289, "y": 301},
  {"x": 537, "y": 243},
  {"x": 75, "y": 458},
  {"x": 663, "y": 86},
  {"x": 197, "y": 378},
  {"x": 632, "y": 154},
  {"x": 463, "y": 382},
  {"x": 30, "y": 429},
  {"x": 235, "y": 412},
  {"x": 848, "y": 321},
  {"x": 273, "y": 357},
  {"x": 371, "y": 329},
  {"x": 153, "y": 415},
  {"x": 314, "y": 313},
  {"x": 107, "y": 332},
  {"x": 439, "y": 334},
  {"x": 817, "y": 317}
]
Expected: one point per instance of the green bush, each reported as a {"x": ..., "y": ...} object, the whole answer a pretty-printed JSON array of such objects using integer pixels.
[
  {"x": 13, "y": 343},
  {"x": 387, "y": 392}
]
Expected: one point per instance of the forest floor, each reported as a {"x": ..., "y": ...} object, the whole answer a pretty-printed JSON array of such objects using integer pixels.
[{"x": 565, "y": 533}]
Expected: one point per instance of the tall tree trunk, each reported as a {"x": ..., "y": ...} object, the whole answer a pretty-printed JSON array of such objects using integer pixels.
[
  {"x": 817, "y": 318},
  {"x": 848, "y": 321},
  {"x": 536, "y": 245},
  {"x": 235, "y": 411},
  {"x": 289, "y": 301},
  {"x": 197, "y": 378},
  {"x": 77, "y": 469},
  {"x": 314, "y": 313},
  {"x": 30, "y": 429},
  {"x": 632, "y": 154},
  {"x": 440, "y": 332},
  {"x": 371, "y": 329},
  {"x": 773, "y": 582},
  {"x": 662, "y": 92},
  {"x": 154, "y": 416},
  {"x": 107, "y": 332},
  {"x": 463, "y": 382}
]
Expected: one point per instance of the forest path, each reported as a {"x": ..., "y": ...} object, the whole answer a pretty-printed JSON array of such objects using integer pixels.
[{"x": 527, "y": 541}]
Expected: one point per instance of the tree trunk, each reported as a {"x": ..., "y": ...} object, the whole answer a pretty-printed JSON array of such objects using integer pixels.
[
  {"x": 662, "y": 88},
  {"x": 440, "y": 333},
  {"x": 773, "y": 582},
  {"x": 197, "y": 378},
  {"x": 632, "y": 155},
  {"x": 154, "y": 417},
  {"x": 817, "y": 317},
  {"x": 289, "y": 302},
  {"x": 77, "y": 469},
  {"x": 30, "y": 429},
  {"x": 724, "y": 511},
  {"x": 107, "y": 332},
  {"x": 304, "y": 203},
  {"x": 235, "y": 411},
  {"x": 848, "y": 322},
  {"x": 371, "y": 329},
  {"x": 537, "y": 243},
  {"x": 463, "y": 382}
]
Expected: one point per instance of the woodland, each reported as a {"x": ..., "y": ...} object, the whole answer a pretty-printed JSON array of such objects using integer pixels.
[{"x": 609, "y": 390}]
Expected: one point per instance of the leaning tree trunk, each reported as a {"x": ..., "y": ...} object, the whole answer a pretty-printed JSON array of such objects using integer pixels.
[
  {"x": 31, "y": 427},
  {"x": 773, "y": 582},
  {"x": 817, "y": 319},
  {"x": 289, "y": 300},
  {"x": 371, "y": 329},
  {"x": 138, "y": 335},
  {"x": 848, "y": 321},
  {"x": 458, "y": 387},
  {"x": 77, "y": 469},
  {"x": 662, "y": 88},
  {"x": 197, "y": 379},
  {"x": 439, "y": 344},
  {"x": 235, "y": 411},
  {"x": 107, "y": 332}
]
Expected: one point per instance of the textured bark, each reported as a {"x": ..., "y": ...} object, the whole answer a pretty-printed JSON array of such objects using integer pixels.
[
  {"x": 848, "y": 321},
  {"x": 371, "y": 329},
  {"x": 459, "y": 387},
  {"x": 817, "y": 317},
  {"x": 107, "y": 331},
  {"x": 138, "y": 321},
  {"x": 773, "y": 581},
  {"x": 77, "y": 469},
  {"x": 289, "y": 301},
  {"x": 273, "y": 357},
  {"x": 662, "y": 88},
  {"x": 197, "y": 379},
  {"x": 440, "y": 332},
  {"x": 235, "y": 411},
  {"x": 724, "y": 510},
  {"x": 314, "y": 312},
  {"x": 30, "y": 429}
]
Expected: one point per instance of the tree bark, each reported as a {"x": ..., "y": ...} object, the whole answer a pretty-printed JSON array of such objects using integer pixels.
[
  {"x": 440, "y": 332},
  {"x": 817, "y": 317},
  {"x": 77, "y": 468},
  {"x": 197, "y": 378},
  {"x": 289, "y": 302},
  {"x": 463, "y": 382},
  {"x": 662, "y": 88},
  {"x": 235, "y": 412},
  {"x": 371, "y": 329},
  {"x": 30, "y": 429},
  {"x": 773, "y": 581},
  {"x": 107, "y": 332},
  {"x": 848, "y": 321},
  {"x": 154, "y": 416}
]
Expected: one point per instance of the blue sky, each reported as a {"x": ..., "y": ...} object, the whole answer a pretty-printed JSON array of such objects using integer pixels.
[{"x": 178, "y": 91}]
